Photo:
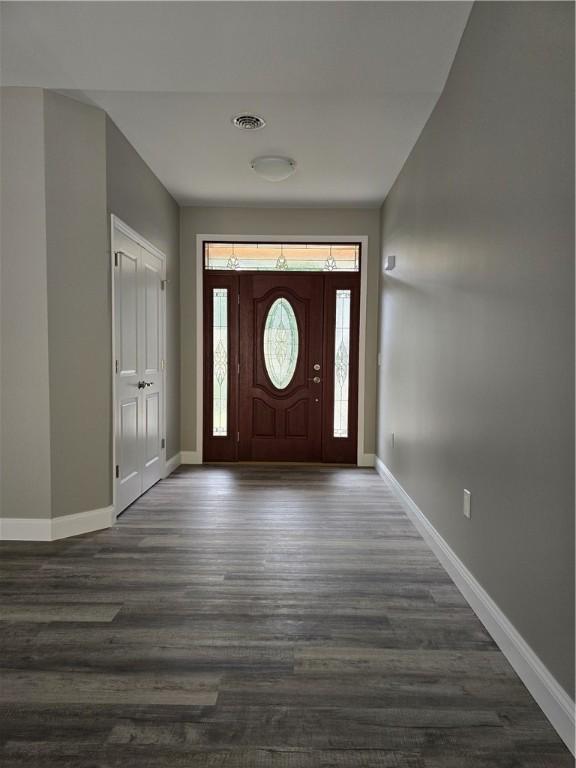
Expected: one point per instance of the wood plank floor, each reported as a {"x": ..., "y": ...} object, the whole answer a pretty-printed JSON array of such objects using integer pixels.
[{"x": 254, "y": 617}]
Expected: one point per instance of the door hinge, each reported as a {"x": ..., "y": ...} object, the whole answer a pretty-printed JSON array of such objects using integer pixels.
[
  {"x": 163, "y": 443},
  {"x": 116, "y": 258},
  {"x": 238, "y": 369},
  {"x": 116, "y": 366},
  {"x": 237, "y": 437},
  {"x": 163, "y": 285},
  {"x": 162, "y": 364},
  {"x": 238, "y": 299},
  {"x": 117, "y": 470}
]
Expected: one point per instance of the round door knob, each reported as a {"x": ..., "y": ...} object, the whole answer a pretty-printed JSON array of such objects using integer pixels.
[
  {"x": 316, "y": 379},
  {"x": 316, "y": 366}
]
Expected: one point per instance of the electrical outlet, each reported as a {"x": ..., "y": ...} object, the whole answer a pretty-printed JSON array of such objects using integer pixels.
[{"x": 467, "y": 509}]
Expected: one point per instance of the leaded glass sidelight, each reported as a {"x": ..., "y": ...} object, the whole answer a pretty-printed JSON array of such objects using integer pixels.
[
  {"x": 281, "y": 343},
  {"x": 220, "y": 362},
  {"x": 341, "y": 363}
]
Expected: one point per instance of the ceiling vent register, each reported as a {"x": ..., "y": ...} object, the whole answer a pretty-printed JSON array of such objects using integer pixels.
[{"x": 248, "y": 122}]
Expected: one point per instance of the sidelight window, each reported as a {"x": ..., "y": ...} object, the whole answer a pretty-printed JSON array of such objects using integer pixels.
[
  {"x": 342, "y": 363},
  {"x": 220, "y": 362}
]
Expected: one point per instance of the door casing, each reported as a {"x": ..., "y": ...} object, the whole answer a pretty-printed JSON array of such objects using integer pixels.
[
  {"x": 196, "y": 456},
  {"x": 117, "y": 224}
]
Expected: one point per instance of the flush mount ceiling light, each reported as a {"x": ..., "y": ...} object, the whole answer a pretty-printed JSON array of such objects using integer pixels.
[
  {"x": 273, "y": 168},
  {"x": 248, "y": 122}
]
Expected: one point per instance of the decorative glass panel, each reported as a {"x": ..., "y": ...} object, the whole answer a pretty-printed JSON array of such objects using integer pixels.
[
  {"x": 220, "y": 362},
  {"x": 341, "y": 363},
  {"x": 292, "y": 257},
  {"x": 281, "y": 343}
]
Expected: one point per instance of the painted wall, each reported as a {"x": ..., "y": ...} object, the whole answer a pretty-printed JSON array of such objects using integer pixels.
[
  {"x": 78, "y": 287},
  {"x": 65, "y": 167},
  {"x": 272, "y": 221},
  {"x": 477, "y": 320},
  {"x": 137, "y": 197},
  {"x": 24, "y": 378}
]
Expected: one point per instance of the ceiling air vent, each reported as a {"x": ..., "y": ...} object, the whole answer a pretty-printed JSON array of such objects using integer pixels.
[{"x": 248, "y": 122}]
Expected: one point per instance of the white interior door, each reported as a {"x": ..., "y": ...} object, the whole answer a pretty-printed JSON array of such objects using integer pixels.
[
  {"x": 138, "y": 332},
  {"x": 151, "y": 280}
]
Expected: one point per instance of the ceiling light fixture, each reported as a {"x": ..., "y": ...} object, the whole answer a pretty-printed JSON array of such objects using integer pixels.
[
  {"x": 248, "y": 122},
  {"x": 273, "y": 168}
]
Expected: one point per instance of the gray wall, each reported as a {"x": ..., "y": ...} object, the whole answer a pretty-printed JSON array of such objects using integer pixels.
[
  {"x": 24, "y": 378},
  {"x": 477, "y": 323},
  {"x": 78, "y": 323},
  {"x": 137, "y": 197},
  {"x": 272, "y": 221},
  {"x": 65, "y": 167}
]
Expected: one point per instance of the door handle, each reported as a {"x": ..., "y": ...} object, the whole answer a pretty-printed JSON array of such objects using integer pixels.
[
  {"x": 142, "y": 384},
  {"x": 316, "y": 379}
]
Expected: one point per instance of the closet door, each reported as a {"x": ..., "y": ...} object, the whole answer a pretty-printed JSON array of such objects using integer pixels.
[
  {"x": 151, "y": 366},
  {"x": 138, "y": 331},
  {"x": 127, "y": 321}
]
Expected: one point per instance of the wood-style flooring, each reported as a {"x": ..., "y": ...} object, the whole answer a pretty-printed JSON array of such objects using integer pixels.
[{"x": 254, "y": 617}]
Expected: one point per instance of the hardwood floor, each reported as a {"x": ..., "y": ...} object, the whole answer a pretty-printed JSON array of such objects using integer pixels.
[{"x": 255, "y": 617}]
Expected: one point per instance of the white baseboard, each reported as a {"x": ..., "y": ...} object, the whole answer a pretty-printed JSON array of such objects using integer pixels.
[
  {"x": 549, "y": 695},
  {"x": 366, "y": 459},
  {"x": 25, "y": 529},
  {"x": 191, "y": 457},
  {"x": 50, "y": 529},
  {"x": 82, "y": 522},
  {"x": 172, "y": 464}
]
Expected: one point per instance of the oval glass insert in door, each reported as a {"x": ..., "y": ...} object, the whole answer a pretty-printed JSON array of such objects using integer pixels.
[{"x": 281, "y": 343}]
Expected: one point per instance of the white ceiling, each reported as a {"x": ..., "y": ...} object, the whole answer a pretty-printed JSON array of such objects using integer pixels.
[{"x": 345, "y": 87}]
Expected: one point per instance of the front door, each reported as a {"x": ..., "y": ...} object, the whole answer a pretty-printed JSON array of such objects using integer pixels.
[
  {"x": 281, "y": 365},
  {"x": 280, "y": 384}
]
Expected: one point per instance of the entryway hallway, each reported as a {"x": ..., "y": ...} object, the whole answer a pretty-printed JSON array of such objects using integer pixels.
[{"x": 255, "y": 616}]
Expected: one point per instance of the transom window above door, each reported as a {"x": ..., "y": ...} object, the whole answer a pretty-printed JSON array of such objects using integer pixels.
[{"x": 274, "y": 257}]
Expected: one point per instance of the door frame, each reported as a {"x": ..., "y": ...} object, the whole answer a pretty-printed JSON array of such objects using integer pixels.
[
  {"x": 117, "y": 223},
  {"x": 195, "y": 457}
]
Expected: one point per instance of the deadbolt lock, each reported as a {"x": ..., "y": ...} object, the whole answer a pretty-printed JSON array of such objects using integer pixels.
[{"x": 316, "y": 366}]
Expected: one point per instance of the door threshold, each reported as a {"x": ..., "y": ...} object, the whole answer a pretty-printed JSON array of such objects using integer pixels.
[{"x": 311, "y": 464}]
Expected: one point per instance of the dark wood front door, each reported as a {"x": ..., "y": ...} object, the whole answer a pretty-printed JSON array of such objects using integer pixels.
[
  {"x": 281, "y": 364},
  {"x": 280, "y": 388}
]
